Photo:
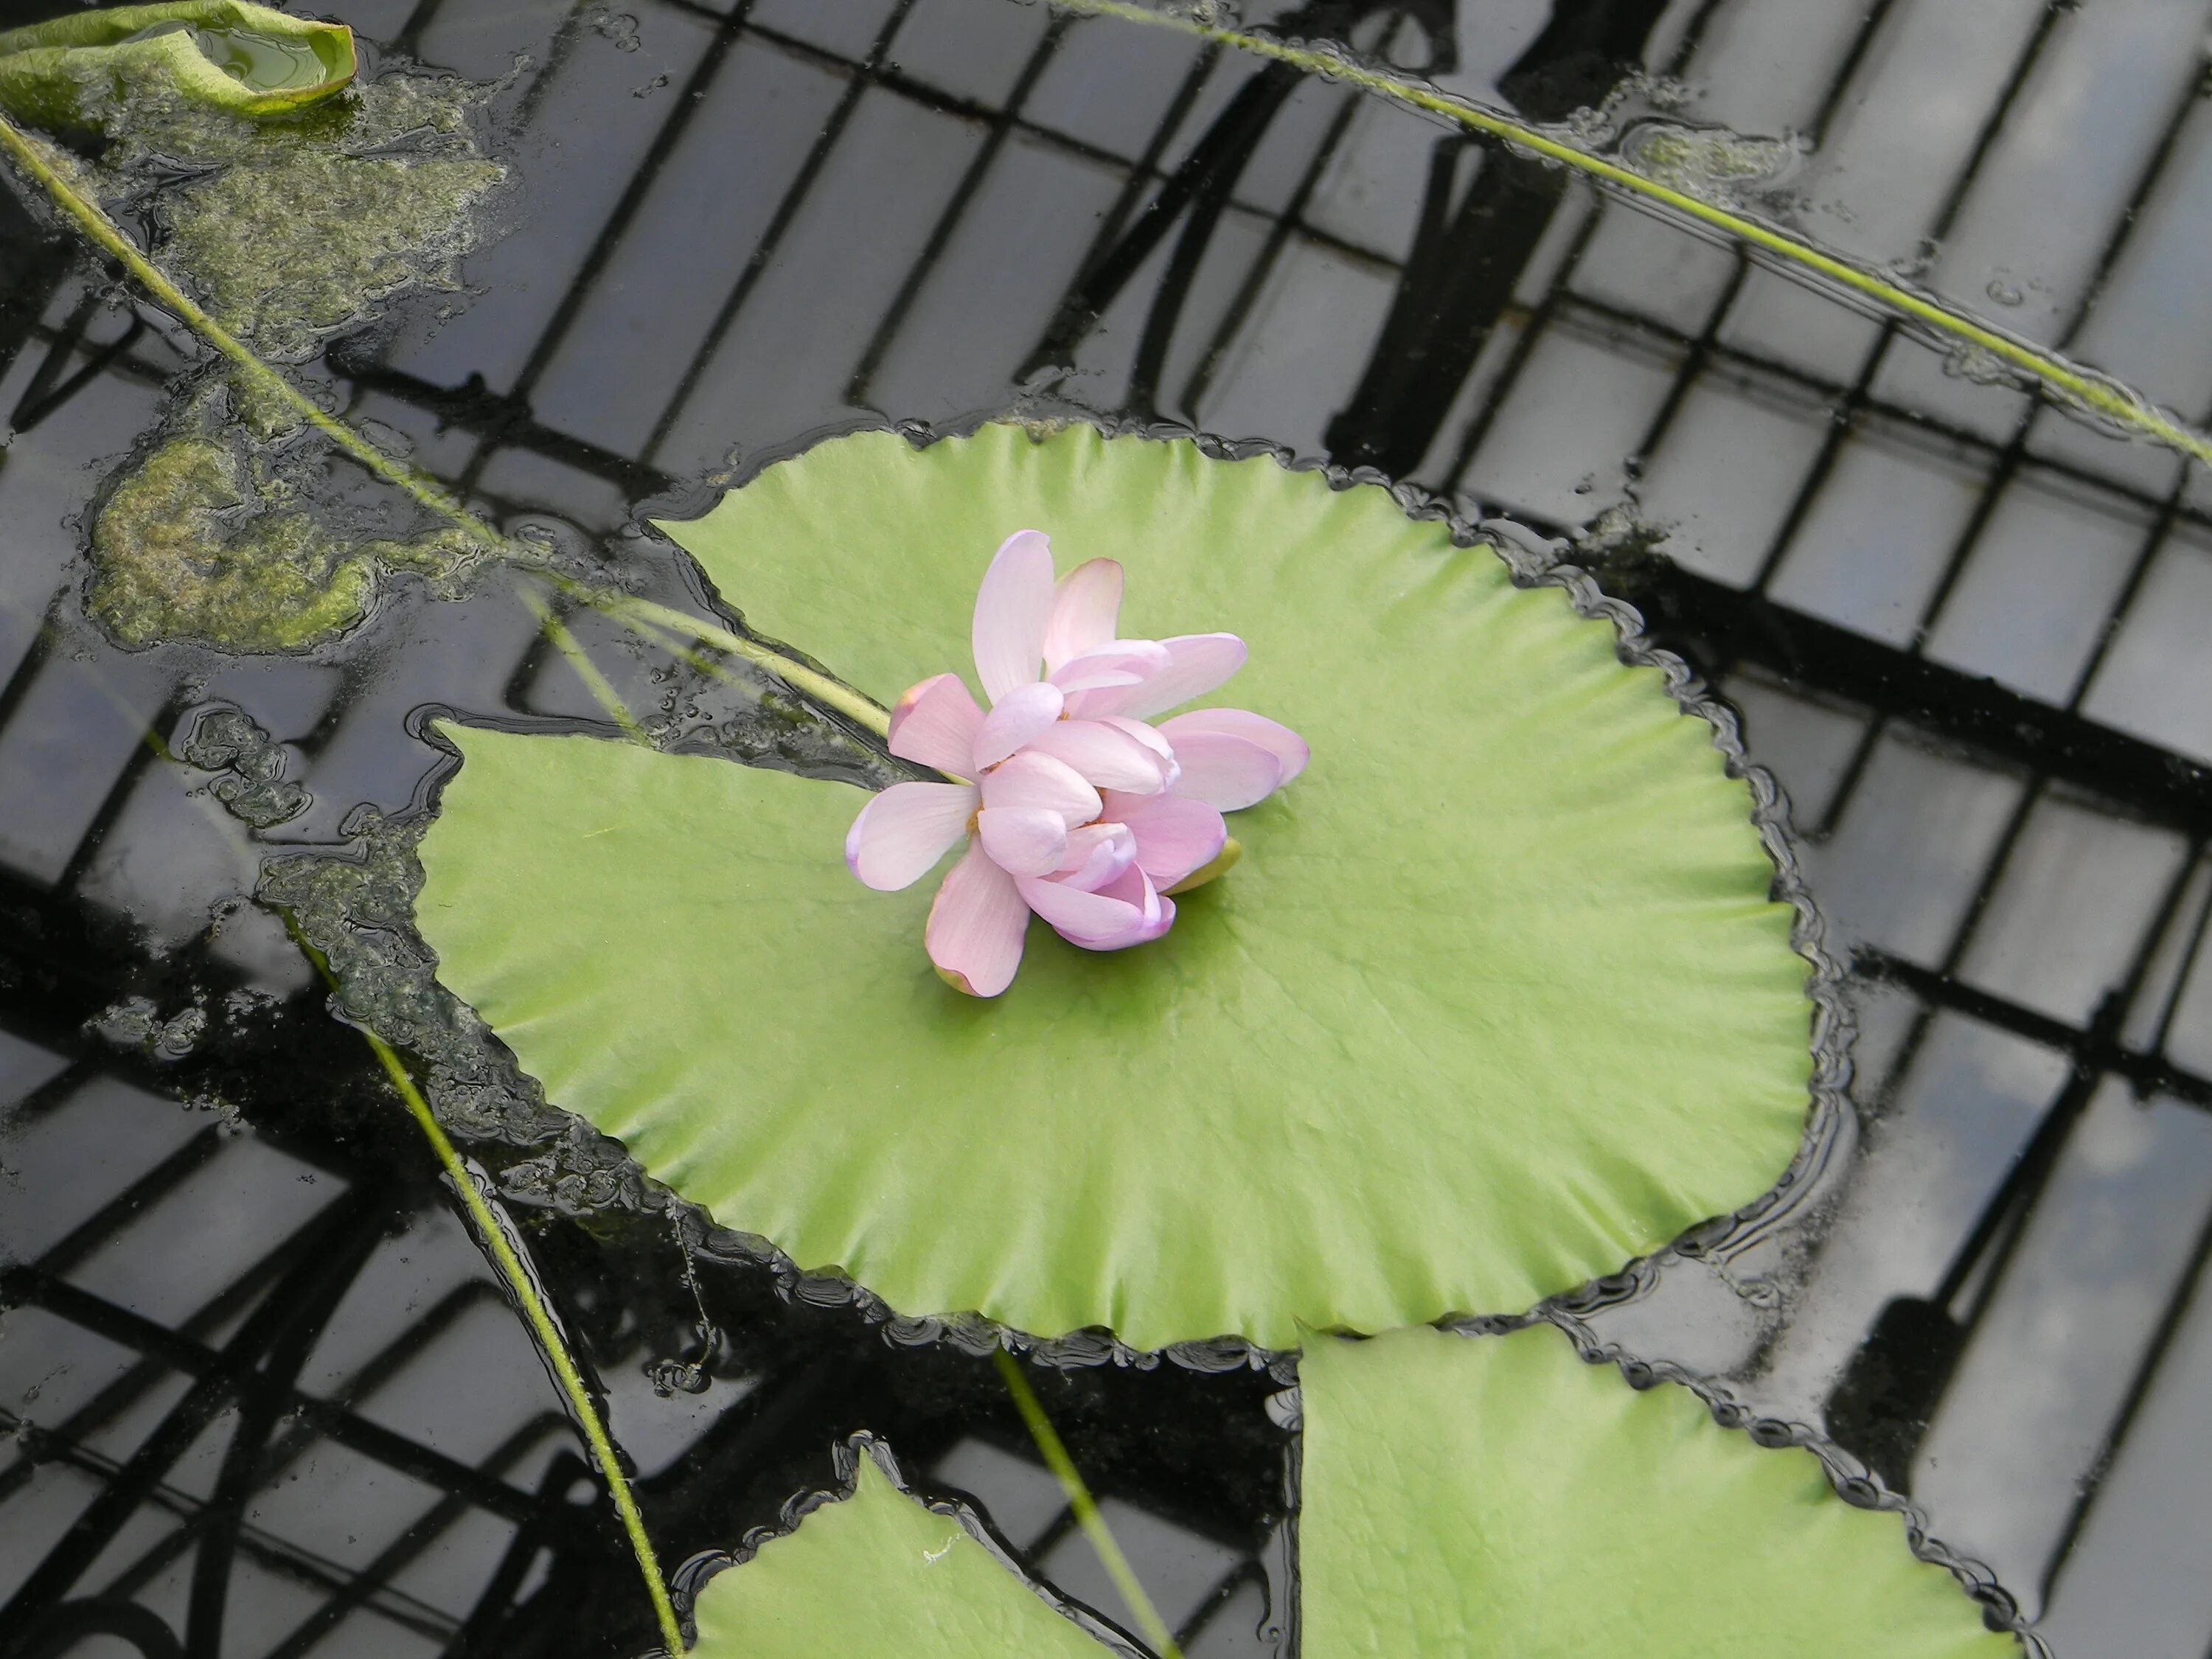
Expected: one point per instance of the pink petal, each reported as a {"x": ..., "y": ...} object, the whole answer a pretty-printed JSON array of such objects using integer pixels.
[
  {"x": 1024, "y": 840},
  {"x": 1021, "y": 714},
  {"x": 1012, "y": 610},
  {"x": 1130, "y": 911},
  {"x": 976, "y": 925},
  {"x": 935, "y": 723},
  {"x": 1077, "y": 915},
  {"x": 1286, "y": 745},
  {"x": 1196, "y": 664},
  {"x": 1109, "y": 757},
  {"x": 1175, "y": 834},
  {"x": 1084, "y": 610},
  {"x": 1118, "y": 662},
  {"x": 1096, "y": 855},
  {"x": 1224, "y": 772},
  {"x": 1156, "y": 910},
  {"x": 1039, "y": 781},
  {"x": 904, "y": 831},
  {"x": 1170, "y": 768}
]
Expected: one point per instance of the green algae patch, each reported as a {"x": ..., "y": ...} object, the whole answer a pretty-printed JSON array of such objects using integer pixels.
[
  {"x": 189, "y": 546},
  {"x": 83, "y": 70},
  {"x": 287, "y": 254},
  {"x": 302, "y": 230},
  {"x": 289, "y": 232}
]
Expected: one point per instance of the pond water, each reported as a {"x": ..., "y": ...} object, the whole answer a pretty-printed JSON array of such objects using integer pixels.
[{"x": 264, "y": 1396}]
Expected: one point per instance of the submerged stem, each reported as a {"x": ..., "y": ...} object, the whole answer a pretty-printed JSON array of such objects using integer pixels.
[
  {"x": 834, "y": 694},
  {"x": 586, "y": 671},
  {"x": 2095, "y": 391},
  {"x": 108, "y": 236},
  {"x": 534, "y": 1311},
  {"x": 1087, "y": 1517}
]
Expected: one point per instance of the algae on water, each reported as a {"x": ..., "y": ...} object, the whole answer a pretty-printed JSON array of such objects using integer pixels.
[
  {"x": 196, "y": 544},
  {"x": 302, "y": 230},
  {"x": 290, "y": 232},
  {"x": 1710, "y": 163}
]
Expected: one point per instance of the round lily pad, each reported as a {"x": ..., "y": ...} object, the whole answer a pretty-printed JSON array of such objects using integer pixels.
[
  {"x": 1496, "y": 1001},
  {"x": 1496, "y": 1498}
]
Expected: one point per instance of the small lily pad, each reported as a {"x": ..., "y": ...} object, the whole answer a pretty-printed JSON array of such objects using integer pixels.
[
  {"x": 879, "y": 1572},
  {"x": 70, "y": 71},
  {"x": 1496, "y": 1001},
  {"x": 1497, "y": 1496}
]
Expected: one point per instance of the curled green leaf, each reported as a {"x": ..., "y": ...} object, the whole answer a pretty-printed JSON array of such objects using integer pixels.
[{"x": 74, "y": 71}]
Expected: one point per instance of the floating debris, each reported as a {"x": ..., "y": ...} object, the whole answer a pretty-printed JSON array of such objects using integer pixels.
[
  {"x": 135, "y": 1025},
  {"x": 1713, "y": 164},
  {"x": 252, "y": 786}
]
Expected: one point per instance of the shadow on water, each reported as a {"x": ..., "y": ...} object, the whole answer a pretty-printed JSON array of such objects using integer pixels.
[{"x": 264, "y": 1398}]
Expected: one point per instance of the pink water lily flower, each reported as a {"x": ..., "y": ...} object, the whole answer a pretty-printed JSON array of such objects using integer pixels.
[{"x": 1077, "y": 810}]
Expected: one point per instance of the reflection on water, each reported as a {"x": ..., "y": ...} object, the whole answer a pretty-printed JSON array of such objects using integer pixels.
[{"x": 264, "y": 1398}]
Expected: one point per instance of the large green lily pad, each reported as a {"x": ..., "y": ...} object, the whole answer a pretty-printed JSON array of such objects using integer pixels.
[
  {"x": 878, "y": 1573},
  {"x": 1496, "y": 1001},
  {"x": 1498, "y": 1497}
]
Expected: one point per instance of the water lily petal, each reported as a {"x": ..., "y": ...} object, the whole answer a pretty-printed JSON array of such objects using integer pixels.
[
  {"x": 936, "y": 724},
  {"x": 1032, "y": 780},
  {"x": 1021, "y": 714},
  {"x": 1078, "y": 916},
  {"x": 1197, "y": 663},
  {"x": 1085, "y": 609},
  {"x": 1013, "y": 608},
  {"x": 904, "y": 831},
  {"x": 1285, "y": 744},
  {"x": 1109, "y": 758},
  {"x": 977, "y": 926},
  {"x": 1175, "y": 834},
  {"x": 1171, "y": 767},
  {"x": 1096, "y": 855},
  {"x": 1140, "y": 914},
  {"x": 1224, "y": 772},
  {"x": 1117, "y": 663},
  {"x": 1026, "y": 841}
]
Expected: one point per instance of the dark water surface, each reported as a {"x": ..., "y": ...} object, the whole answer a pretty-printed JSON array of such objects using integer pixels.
[{"x": 264, "y": 1398}]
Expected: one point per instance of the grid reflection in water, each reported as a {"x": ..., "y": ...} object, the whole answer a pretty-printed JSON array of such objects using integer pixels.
[{"x": 1964, "y": 629}]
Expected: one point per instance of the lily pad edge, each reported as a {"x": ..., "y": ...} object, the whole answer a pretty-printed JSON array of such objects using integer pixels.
[
  {"x": 1849, "y": 1481},
  {"x": 690, "y": 1580}
]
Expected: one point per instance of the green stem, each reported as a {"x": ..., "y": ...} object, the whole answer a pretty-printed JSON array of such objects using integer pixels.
[
  {"x": 586, "y": 671},
  {"x": 548, "y": 1339},
  {"x": 104, "y": 232},
  {"x": 534, "y": 1311},
  {"x": 2095, "y": 391},
  {"x": 834, "y": 694},
  {"x": 1094, "y": 1525}
]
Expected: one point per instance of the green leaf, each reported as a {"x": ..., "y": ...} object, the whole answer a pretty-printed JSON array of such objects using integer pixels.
[
  {"x": 1496, "y": 1001},
  {"x": 73, "y": 71},
  {"x": 879, "y": 1573},
  {"x": 1496, "y": 1496}
]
